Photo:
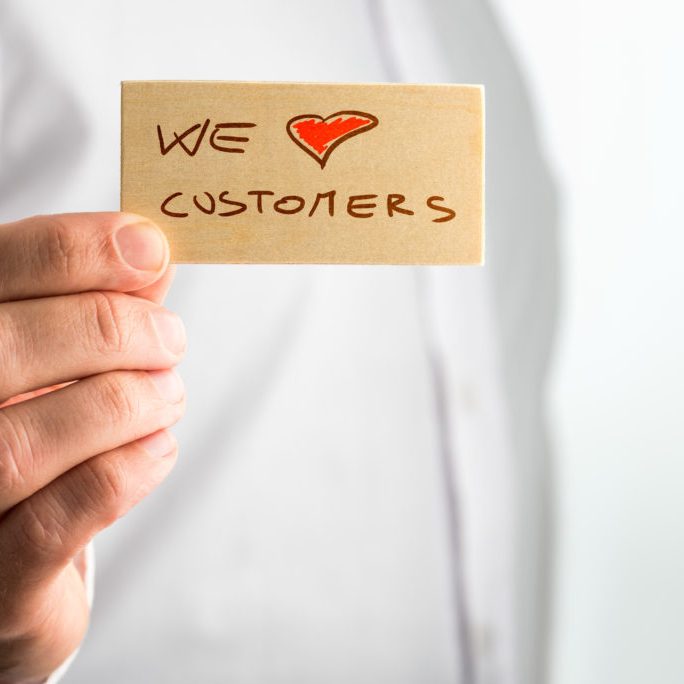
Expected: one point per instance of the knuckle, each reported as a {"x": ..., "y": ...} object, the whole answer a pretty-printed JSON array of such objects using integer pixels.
[
  {"x": 105, "y": 482},
  {"x": 11, "y": 342},
  {"x": 59, "y": 250},
  {"x": 107, "y": 322},
  {"x": 42, "y": 528},
  {"x": 14, "y": 445},
  {"x": 118, "y": 397},
  {"x": 9, "y": 473}
]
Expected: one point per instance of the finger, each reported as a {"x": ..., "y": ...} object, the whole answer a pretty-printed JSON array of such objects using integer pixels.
[
  {"x": 67, "y": 253},
  {"x": 46, "y": 531},
  {"x": 57, "y": 339},
  {"x": 42, "y": 438},
  {"x": 157, "y": 291}
]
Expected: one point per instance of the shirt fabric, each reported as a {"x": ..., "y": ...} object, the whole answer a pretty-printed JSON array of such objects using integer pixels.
[{"x": 359, "y": 494}]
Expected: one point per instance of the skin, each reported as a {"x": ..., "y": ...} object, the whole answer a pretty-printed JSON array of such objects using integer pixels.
[{"x": 87, "y": 393}]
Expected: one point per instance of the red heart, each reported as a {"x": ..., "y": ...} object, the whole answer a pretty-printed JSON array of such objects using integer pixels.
[{"x": 318, "y": 137}]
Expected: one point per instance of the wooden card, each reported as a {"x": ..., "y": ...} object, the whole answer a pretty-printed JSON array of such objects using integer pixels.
[{"x": 239, "y": 172}]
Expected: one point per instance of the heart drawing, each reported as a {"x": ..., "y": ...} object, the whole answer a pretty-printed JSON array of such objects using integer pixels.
[{"x": 318, "y": 137}]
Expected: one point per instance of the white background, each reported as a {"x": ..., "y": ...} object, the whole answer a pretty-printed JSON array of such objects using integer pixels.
[{"x": 607, "y": 81}]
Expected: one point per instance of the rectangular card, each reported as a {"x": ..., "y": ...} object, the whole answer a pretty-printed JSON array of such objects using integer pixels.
[{"x": 238, "y": 172}]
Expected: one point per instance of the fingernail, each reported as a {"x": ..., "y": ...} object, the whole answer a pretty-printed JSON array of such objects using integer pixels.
[
  {"x": 170, "y": 329},
  {"x": 168, "y": 384},
  {"x": 141, "y": 246},
  {"x": 160, "y": 444}
]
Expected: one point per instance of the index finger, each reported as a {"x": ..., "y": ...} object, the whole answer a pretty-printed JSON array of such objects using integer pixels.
[{"x": 68, "y": 253}]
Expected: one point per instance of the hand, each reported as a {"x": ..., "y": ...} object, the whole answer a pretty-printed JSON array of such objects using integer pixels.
[{"x": 79, "y": 300}]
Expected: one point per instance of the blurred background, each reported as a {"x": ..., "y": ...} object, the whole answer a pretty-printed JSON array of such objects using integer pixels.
[{"x": 606, "y": 82}]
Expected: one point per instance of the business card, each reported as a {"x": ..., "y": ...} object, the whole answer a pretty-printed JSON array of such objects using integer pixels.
[{"x": 242, "y": 172}]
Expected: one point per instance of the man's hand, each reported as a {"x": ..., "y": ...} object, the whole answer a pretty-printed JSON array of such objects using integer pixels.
[{"x": 79, "y": 300}]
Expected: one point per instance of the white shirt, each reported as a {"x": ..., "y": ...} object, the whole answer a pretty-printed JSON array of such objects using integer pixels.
[{"x": 360, "y": 491}]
